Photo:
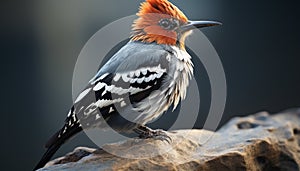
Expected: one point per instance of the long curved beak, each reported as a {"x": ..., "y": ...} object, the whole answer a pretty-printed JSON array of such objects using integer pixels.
[{"x": 198, "y": 24}]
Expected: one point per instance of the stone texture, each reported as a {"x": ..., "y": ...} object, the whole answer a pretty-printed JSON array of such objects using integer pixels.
[{"x": 256, "y": 142}]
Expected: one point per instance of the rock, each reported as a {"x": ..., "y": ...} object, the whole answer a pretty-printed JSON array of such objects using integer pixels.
[{"x": 257, "y": 142}]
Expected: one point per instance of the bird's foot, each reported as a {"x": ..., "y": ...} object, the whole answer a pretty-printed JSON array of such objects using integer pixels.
[{"x": 146, "y": 133}]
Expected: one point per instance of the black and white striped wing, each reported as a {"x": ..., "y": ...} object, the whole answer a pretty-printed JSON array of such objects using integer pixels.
[{"x": 111, "y": 93}]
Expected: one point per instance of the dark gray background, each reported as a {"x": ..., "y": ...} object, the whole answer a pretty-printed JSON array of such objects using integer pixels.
[{"x": 40, "y": 41}]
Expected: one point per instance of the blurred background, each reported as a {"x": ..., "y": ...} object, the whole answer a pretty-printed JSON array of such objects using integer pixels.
[{"x": 41, "y": 40}]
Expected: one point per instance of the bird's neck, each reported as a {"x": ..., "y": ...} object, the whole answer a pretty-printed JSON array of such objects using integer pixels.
[{"x": 159, "y": 39}]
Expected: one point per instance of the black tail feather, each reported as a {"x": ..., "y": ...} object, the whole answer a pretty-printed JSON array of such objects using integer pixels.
[
  {"x": 47, "y": 156},
  {"x": 52, "y": 139},
  {"x": 54, "y": 144}
]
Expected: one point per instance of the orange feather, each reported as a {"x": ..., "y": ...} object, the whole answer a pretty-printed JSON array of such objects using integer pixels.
[{"x": 146, "y": 28}]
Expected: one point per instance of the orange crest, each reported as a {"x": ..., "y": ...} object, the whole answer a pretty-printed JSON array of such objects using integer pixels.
[
  {"x": 147, "y": 29},
  {"x": 161, "y": 7}
]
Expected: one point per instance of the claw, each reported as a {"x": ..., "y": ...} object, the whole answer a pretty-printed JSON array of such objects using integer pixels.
[
  {"x": 145, "y": 133},
  {"x": 162, "y": 135}
]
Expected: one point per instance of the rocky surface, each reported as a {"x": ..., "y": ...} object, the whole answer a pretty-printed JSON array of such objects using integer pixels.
[{"x": 257, "y": 142}]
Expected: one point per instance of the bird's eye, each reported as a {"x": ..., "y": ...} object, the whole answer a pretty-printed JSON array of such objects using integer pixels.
[{"x": 167, "y": 24}]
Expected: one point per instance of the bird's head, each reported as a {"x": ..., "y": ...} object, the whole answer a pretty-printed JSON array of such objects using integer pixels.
[{"x": 162, "y": 22}]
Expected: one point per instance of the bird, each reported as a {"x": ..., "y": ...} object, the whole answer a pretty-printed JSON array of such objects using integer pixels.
[{"x": 139, "y": 82}]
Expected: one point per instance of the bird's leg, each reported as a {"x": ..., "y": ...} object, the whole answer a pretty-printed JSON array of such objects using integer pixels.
[{"x": 146, "y": 132}]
